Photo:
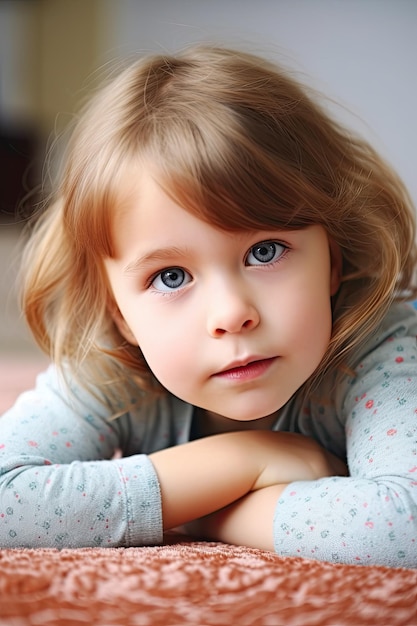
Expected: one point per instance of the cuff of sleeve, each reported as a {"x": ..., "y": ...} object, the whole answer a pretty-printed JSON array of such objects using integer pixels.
[{"x": 143, "y": 502}]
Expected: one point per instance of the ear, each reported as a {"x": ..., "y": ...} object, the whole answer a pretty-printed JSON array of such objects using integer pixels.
[
  {"x": 336, "y": 260},
  {"x": 122, "y": 325}
]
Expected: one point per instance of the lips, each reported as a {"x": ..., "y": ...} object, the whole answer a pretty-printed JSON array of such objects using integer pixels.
[{"x": 246, "y": 370}]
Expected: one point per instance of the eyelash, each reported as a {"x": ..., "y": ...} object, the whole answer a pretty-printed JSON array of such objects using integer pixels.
[{"x": 174, "y": 292}]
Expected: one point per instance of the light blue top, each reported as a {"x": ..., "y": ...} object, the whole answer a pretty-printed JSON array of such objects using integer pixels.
[{"x": 59, "y": 486}]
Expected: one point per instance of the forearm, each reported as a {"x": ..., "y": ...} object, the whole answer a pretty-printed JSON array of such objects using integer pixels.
[
  {"x": 81, "y": 504},
  {"x": 349, "y": 520}
]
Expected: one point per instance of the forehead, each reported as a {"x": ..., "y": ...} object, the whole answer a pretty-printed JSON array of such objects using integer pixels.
[{"x": 146, "y": 214}]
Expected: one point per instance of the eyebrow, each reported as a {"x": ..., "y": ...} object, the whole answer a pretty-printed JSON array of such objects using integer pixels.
[{"x": 163, "y": 255}]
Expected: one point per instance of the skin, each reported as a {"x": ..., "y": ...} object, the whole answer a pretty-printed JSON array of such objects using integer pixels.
[{"x": 233, "y": 323}]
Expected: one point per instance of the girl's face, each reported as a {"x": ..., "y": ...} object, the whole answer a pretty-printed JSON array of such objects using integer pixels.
[{"x": 234, "y": 323}]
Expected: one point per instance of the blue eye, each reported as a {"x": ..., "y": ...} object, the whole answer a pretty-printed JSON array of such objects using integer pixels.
[
  {"x": 264, "y": 252},
  {"x": 171, "y": 279}
]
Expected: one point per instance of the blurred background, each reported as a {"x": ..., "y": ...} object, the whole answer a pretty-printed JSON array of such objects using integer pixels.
[{"x": 361, "y": 53}]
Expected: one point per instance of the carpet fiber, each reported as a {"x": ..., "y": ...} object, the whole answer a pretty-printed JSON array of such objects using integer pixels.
[{"x": 197, "y": 583}]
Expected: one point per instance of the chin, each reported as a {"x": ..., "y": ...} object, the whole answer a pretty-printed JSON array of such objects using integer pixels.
[
  {"x": 250, "y": 416},
  {"x": 247, "y": 413}
]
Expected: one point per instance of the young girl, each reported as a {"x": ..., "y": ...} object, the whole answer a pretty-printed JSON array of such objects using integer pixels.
[{"x": 219, "y": 282}]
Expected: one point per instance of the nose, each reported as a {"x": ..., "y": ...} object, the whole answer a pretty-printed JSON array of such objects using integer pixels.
[{"x": 231, "y": 312}]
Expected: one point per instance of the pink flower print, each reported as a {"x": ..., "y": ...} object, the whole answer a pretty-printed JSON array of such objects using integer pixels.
[
  {"x": 369, "y": 404},
  {"x": 33, "y": 444},
  {"x": 399, "y": 359},
  {"x": 391, "y": 432}
]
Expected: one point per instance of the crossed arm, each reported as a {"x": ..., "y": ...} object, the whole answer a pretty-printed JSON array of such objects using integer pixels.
[{"x": 226, "y": 486}]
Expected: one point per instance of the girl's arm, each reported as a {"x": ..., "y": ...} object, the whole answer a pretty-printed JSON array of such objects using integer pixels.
[{"x": 203, "y": 476}]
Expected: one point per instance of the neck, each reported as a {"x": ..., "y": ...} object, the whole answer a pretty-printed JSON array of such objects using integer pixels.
[{"x": 206, "y": 423}]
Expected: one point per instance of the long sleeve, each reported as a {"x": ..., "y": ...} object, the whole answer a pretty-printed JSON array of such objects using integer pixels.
[
  {"x": 59, "y": 486},
  {"x": 369, "y": 517}
]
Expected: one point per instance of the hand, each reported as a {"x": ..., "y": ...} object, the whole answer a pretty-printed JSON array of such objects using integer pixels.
[{"x": 292, "y": 457}]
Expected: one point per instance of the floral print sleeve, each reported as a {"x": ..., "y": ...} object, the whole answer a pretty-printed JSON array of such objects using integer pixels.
[
  {"x": 369, "y": 517},
  {"x": 59, "y": 486}
]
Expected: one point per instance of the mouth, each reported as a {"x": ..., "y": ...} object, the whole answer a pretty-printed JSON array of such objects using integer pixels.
[{"x": 246, "y": 371}]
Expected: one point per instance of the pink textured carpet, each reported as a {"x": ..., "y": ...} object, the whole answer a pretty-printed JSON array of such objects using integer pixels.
[
  {"x": 190, "y": 583},
  {"x": 197, "y": 583}
]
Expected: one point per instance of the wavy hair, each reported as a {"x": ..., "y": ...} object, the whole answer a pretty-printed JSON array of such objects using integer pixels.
[{"x": 240, "y": 143}]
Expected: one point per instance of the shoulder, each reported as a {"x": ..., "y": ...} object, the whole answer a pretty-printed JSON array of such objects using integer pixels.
[
  {"x": 56, "y": 393},
  {"x": 386, "y": 363},
  {"x": 396, "y": 334}
]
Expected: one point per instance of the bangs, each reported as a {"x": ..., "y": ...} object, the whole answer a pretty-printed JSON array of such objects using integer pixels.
[{"x": 229, "y": 169}]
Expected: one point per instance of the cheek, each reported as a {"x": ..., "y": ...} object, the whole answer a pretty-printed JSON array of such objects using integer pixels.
[
  {"x": 308, "y": 330},
  {"x": 166, "y": 348},
  {"x": 317, "y": 327},
  {"x": 172, "y": 368},
  {"x": 306, "y": 317}
]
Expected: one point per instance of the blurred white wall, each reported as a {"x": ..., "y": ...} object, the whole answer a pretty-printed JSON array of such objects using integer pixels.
[{"x": 362, "y": 53}]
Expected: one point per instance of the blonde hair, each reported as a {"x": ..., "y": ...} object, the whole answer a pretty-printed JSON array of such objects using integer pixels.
[{"x": 240, "y": 143}]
